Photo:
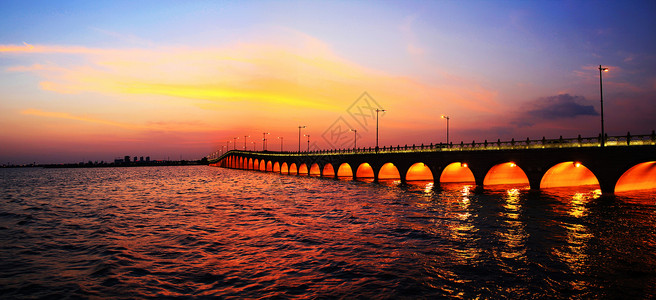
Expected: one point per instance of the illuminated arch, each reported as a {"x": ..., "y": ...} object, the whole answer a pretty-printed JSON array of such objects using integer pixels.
[
  {"x": 269, "y": 166},
  {"x": 241, "y": 163},
  {"x": 345, "y": 171},
  {"x": 276, "y": 167},
  {"x": 568, "y": 174},
  {"x": 292, "y": 169},
  {"x": 506, "y": 173},
  {"x": 419, "y": 172},
  {"x": 457, "y": 172},
  {"x": 640, "y": 177},
  {"x": 389, "y": 172},
  {"x": 262, "y": 165},
  {"x": 302, "y": 169},
  {"x": 284, "y": 169},
  {"x": 364, "y": 171},
  {"x": 328, "y": 171},
  {"x": 315, "y": 170},
  {"x": 250, "y": 164}
]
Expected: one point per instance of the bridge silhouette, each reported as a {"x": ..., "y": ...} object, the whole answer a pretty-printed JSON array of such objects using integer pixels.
[{"x": 625, "y": 163}]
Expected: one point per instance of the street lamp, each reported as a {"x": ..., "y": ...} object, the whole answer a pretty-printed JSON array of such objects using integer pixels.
[
  {"x": 246, "y": 136},
  {"x": 355, "y": 138},
  {"x": 280, "y": 138},
  {"x": 227, "y": 146},
  {"x": 234, "y": 144},
  {"x": 377, "y": 111},
  {"x": 264, "y": 145},
  {"x": 447, "y": 129},
  {"x": 308, "y": 148},
  {"x": 601, "y": 93},
  {"x": 299, "y": 138},
  {"x": 254, "y": 146}
]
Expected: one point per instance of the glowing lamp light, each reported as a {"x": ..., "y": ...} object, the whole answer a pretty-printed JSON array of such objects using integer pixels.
[
  {"x": 512, "y": 165},
  {"x": 577, "y": 164},
  {"x": 464, "y": 165}
]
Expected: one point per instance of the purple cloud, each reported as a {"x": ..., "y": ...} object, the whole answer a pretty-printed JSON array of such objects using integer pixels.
[{"x": 563, "y": 106}]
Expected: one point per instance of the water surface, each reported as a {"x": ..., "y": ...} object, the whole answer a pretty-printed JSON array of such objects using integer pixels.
[{"x": 202, "y": 231}]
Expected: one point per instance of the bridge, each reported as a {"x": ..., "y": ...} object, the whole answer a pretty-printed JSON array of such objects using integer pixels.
[{"x": 625, "y": 163}]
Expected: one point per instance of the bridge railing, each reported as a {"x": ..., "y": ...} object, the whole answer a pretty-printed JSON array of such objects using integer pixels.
[{"x": 611, "y": 141}]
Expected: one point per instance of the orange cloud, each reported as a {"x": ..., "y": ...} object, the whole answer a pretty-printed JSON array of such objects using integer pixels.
[{"x": 151, "y": 126}]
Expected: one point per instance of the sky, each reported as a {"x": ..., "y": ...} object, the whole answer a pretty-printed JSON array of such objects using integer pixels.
[{"x": 98, "y": 80}]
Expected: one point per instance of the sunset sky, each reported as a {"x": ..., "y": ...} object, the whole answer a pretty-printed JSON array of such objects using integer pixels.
[{"x": 97, "y": 80}]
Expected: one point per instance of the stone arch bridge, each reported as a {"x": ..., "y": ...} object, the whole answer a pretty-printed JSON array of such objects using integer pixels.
[{"x": 625, "y": 163}]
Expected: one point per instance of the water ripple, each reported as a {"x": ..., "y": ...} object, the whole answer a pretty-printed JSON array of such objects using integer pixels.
[{"x": 211, "y": 232}]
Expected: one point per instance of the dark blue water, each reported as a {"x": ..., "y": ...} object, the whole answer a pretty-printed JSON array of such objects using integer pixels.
[{"x": 203, "y": 231}]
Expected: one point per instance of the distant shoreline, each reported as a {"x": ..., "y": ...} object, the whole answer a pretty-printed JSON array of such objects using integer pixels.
[{"x": 113, "y": 165}]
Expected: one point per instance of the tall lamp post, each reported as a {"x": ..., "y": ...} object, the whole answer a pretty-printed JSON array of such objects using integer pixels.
[
  {"x": 234, "y": 144},
  {"x": 377, "y": 111},
  {"x": 281, "y": 140},
  {"x": 355, "y": 138},
  {"x": 299, "y": 138},
  {"x": 308, "y": 141},
  {"x": 601, "y": 93},
  {"x": 246, "y": 136},
  {"x": 447, "y": 129},
  {"x": 227, "y": 146},
  {"x": 254, "y": 149},
  {"x": 264, "y": 144}
]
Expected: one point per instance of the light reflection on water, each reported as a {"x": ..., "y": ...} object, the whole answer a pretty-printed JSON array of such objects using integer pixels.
[{"x": 201, "y": 231}]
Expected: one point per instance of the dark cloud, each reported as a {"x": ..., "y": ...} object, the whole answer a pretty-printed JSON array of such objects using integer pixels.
[{"x": 563, "y": 106}]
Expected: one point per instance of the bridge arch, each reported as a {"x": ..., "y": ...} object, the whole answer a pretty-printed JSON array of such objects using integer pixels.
[
  {"x": 269, "y": 166},
  {"x": 328, "y": 171},
  {"x": 315, "y": 170},
  {"x": 389, "y": 171},
  {"x": 303, "y": 169},
  {"x": 567, "y": 174},
  {"x": 639, "y": 177},
  {"x": 276, "y": 167},
  {"x": 365, "y": 172},
  {"x": 344, "y": 171},
  {"x": 507, "y": 173},
  {"x": 457, "y": 172},
  {"x": 284, "y": 168},
  {"x": 250, "y": 164},
  {"x": 293, "y": 170},
  {"x": 262, "y": 165},
  {"x": 419, "y": 172}
]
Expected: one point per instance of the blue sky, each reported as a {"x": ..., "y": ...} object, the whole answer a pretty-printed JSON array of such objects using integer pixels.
[{"x": 196, "y": 74}]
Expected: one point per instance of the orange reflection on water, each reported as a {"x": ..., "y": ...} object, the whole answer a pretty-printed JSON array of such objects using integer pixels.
[
  {"x": 328, "y": 171},
  {"x": 457, "y": 172},
  {"x": 639, "y": 177},
  {"x": 506, "y": 173},
  {"x": 419, "y": 172},
  {"x": 568, "y": 174}
]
